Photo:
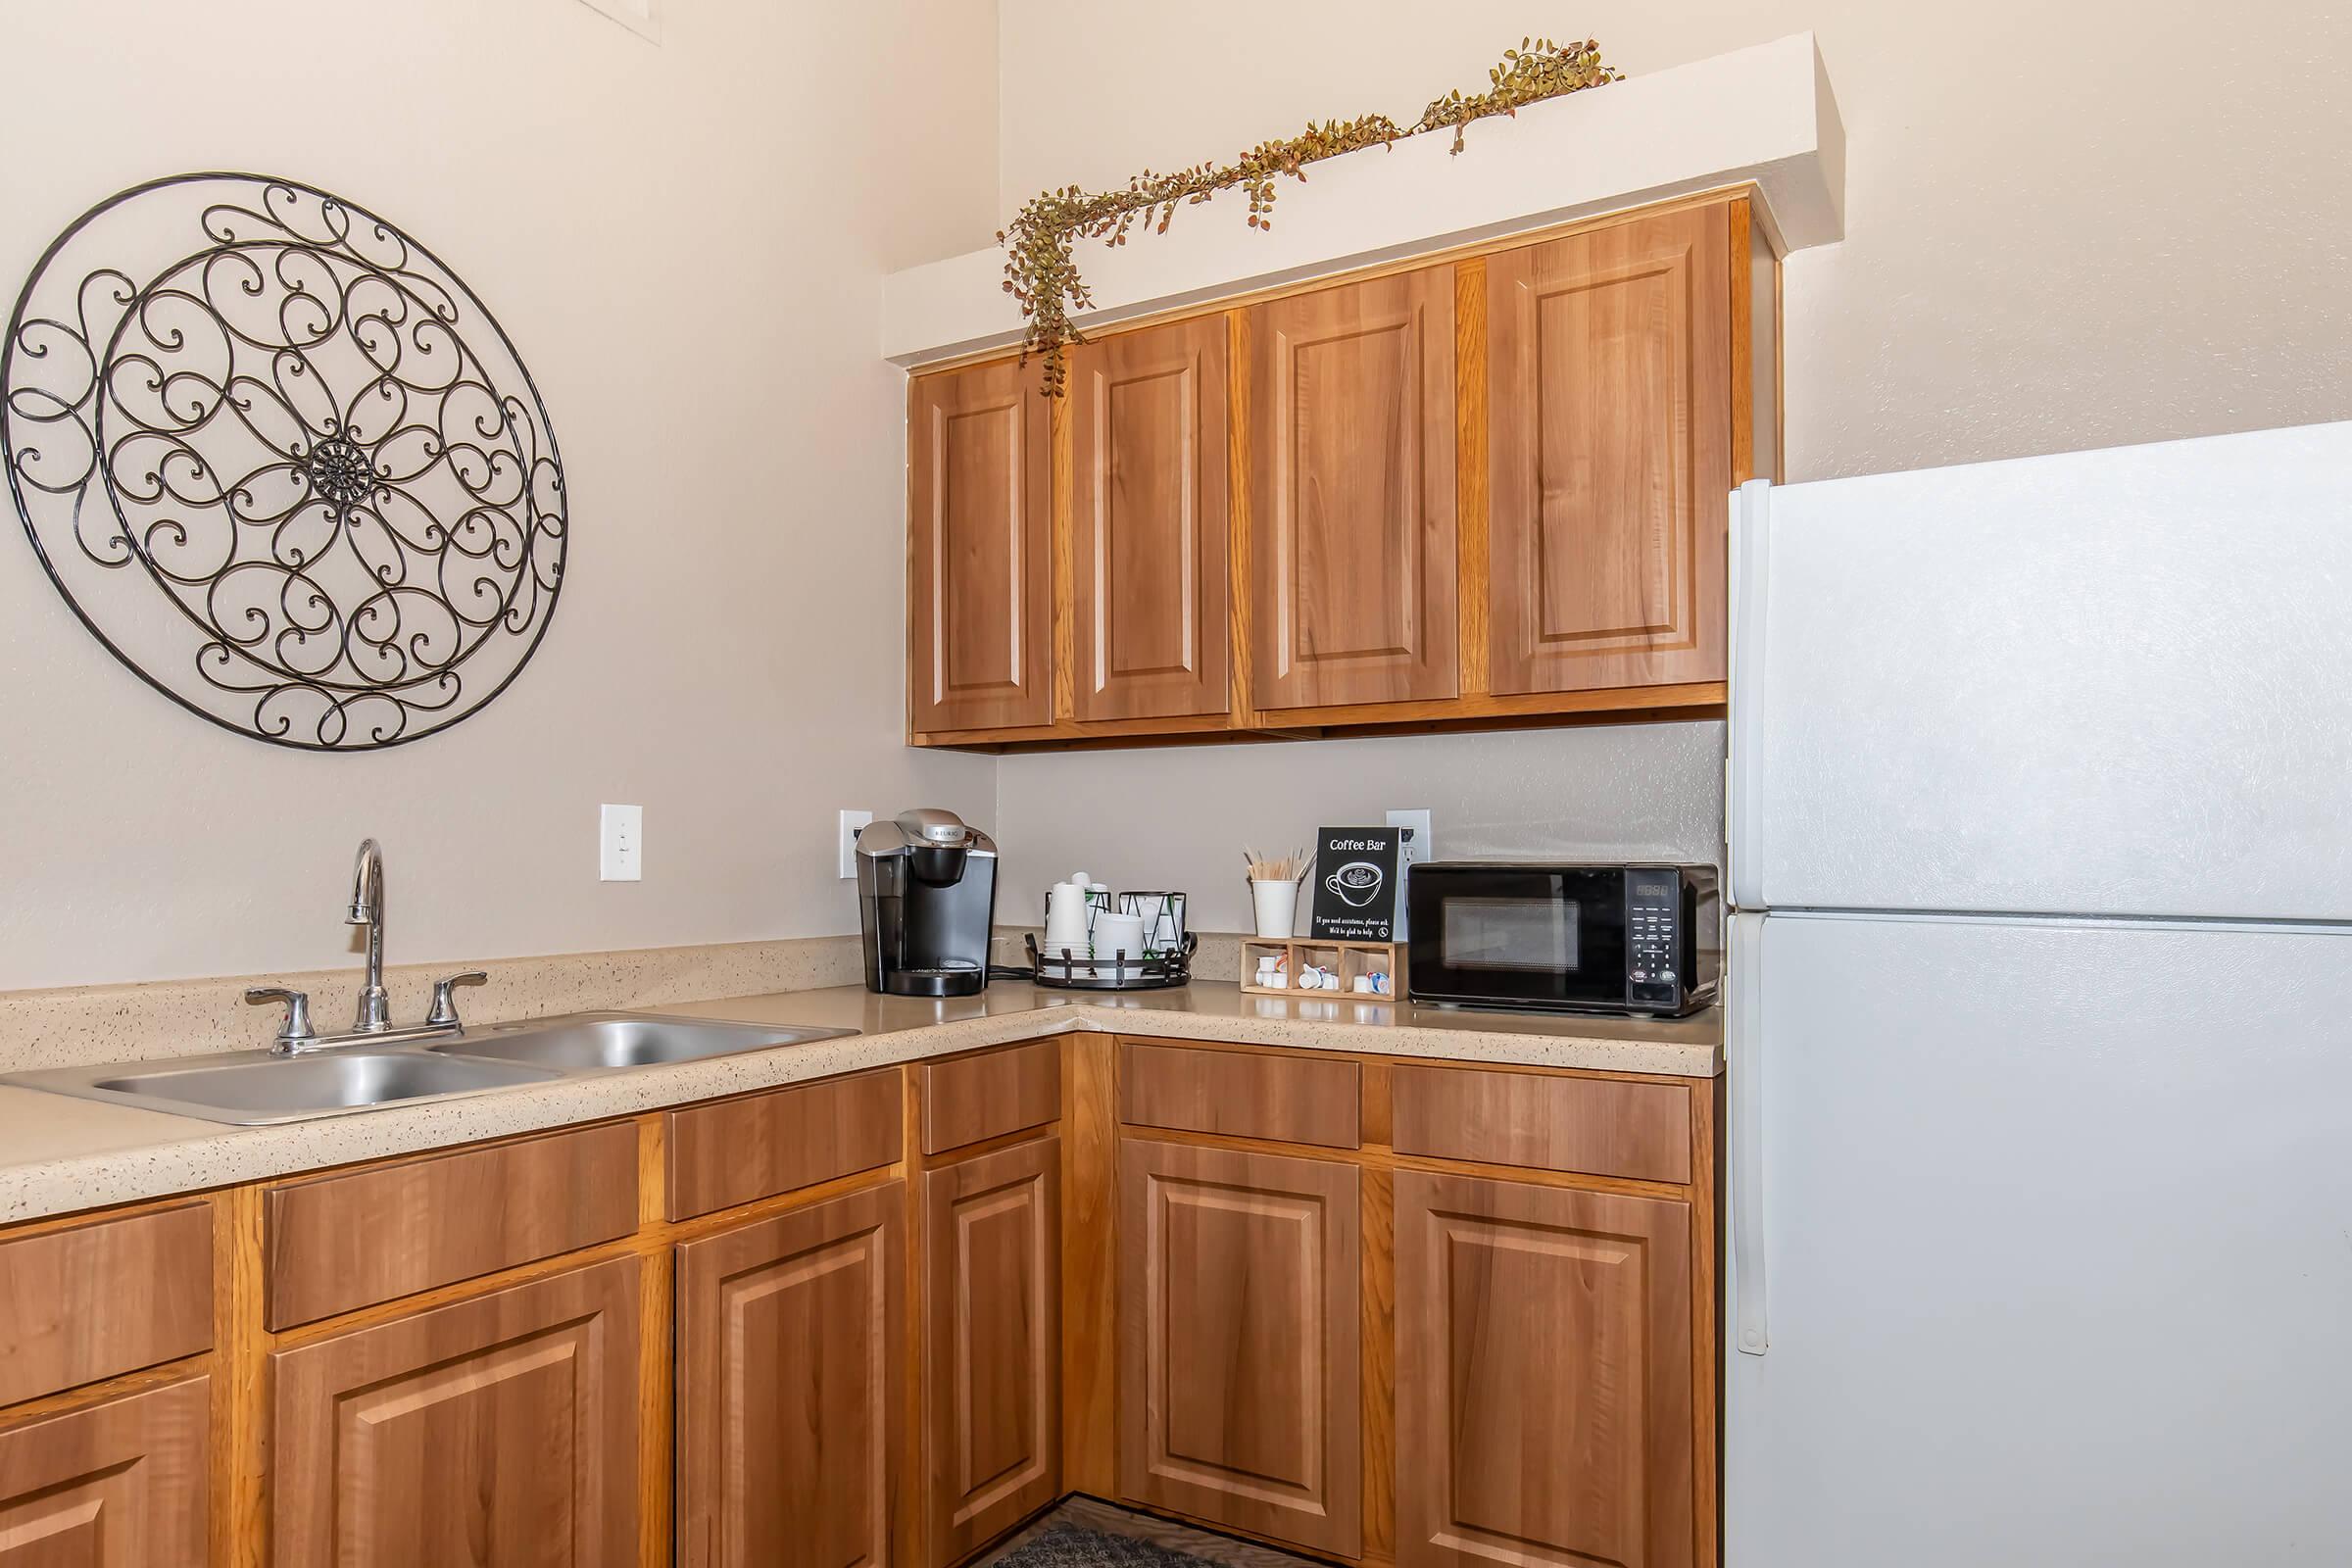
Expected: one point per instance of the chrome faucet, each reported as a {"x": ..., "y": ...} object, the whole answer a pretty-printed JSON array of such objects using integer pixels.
[{"x": 374, "y": 1013}]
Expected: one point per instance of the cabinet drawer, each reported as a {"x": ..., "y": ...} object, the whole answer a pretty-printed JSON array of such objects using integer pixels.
[
  {"x": 740, "y": 1150},
  {"x": 90, "y": 1301},
  {"x": 1241, "y": 1094},
  {"x": 1592, "y": 1126},
  {"x": 340, "y": 1243},
  {"x": 970, "y": 1099}
]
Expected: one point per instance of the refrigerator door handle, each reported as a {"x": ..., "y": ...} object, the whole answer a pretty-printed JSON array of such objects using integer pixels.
[
  {"x": 1744, "y": 755},
  {"x": 1744, "y": 1054}
]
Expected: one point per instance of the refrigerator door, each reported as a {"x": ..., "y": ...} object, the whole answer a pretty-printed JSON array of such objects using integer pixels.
[
  {"x": 2057, "y": 1226},
  {"x": 2112, "y": 682}
]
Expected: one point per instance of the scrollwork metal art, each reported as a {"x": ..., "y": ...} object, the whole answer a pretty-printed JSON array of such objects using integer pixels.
[{"x": 282, "y": 461}]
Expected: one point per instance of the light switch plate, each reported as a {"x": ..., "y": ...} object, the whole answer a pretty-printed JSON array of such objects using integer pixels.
[
  {"x": 1416, "y": 846},
  {"x": 851, "y": 822},
  {"x": 620, "y": 844}
]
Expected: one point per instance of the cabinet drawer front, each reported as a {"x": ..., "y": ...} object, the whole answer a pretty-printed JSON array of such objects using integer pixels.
[
  {"x": 92, "y": 1301},
  {"x": 1241, "y": 1094},
  {"x": 741, "y": 1150},
  {"x": 971, "y": 1099},
  {"x": 117, "y": 1484},
  {"x": 340, "y": 1243},
  {"x": 1592, "y": 1126}
]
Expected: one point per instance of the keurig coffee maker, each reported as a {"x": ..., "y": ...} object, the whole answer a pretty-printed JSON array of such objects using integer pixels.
[{"x": 927, "y": 898}]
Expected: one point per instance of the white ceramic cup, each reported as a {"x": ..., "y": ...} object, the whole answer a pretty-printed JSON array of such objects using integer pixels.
[{"x": 1276, "y": 905}]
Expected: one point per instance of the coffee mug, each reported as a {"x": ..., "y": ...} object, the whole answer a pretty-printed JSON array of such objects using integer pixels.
[{"x": 1357, "y": 882}]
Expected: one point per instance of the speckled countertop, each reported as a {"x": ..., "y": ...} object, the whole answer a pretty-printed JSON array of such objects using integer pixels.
[{"x": 60, "y": 1155}]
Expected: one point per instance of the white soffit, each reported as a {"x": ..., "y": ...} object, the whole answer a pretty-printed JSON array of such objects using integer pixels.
[{"x": 1764, "y": 115}]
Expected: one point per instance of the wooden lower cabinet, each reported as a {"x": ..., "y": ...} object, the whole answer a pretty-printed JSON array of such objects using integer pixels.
[
  {"x": 992, "y": 1342},
  {"x": 498, "y": 1430},
  {"x": 1544, "y": 1365},
  {"x": 119, "y": 1484},
  {"x": 791, "y": 1356},
  {"x": 1240, "y": 1341}
]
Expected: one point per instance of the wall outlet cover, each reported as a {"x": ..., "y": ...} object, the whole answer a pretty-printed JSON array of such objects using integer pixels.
[
  {"x": 1417, "y": 845},
  {"x": 851, "y": 822},
  {"x": 620, "y": 844}
]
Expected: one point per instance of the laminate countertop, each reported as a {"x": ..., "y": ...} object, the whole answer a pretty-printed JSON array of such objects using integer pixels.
[{"x": 59, "y": 1155}]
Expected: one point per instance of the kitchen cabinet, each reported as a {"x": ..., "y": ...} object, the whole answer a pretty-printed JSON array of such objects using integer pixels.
[
  {"x": 498, "y": 1429},
  {"x": 1351, "y": 494},
  {"x": 992, "y": 1342},
  {"x": 1238, "y": 1381},
  {"x": 119, "y": 1484},
  {"x": 790, "y": 1368},
  {"x": 1150, "y": 522},
  {"x": 1609, "y": 406},
  {"x": 1543, "y": 1391},
  {"x": 979, "y": 641}
]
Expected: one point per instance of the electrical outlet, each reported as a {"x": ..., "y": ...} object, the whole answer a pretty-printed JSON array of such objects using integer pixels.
[
  {"x": 1415, "y": 846},
  {"x": 620, "y": 844},
  {"x": 851, "y": 822}
]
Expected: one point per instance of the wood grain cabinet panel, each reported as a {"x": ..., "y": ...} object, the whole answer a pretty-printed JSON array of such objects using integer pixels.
[
  {"x": 1610, "y": 455},
  {"x": 115, "y": 1485},
  {"x": 1239, "y": 1375},
  {"x": 343, "y": 1242},
  {"x": 790, "y": 1360},
  {"x": 1151, "y": 522},
  {"x": 992, "y": 1342},
  {"x": 87, "y": 1301},
  {"x": 1242, "y": 1093},
  {"x": 733, "y": 1152},
  {"x": 1544, "y": 1377},
  {"x": 992, "y": 1093},
  {"x": 1594, "y": 1126},
  {"x": 1352, "y": 509},
  {"x": 498, "y": 1430},
  {"x": 979, "y": 636}
]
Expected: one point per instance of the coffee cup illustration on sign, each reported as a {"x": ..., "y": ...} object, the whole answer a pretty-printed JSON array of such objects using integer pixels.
[{"x": 1359, "y": 882}]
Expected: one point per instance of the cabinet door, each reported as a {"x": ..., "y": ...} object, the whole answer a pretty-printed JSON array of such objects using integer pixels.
[
  {"x": 1611, "y": 441},
  {"x": 1543, "y": 1403},
  {"x": 1151, "y": 522},
  {"x": 1239, "y": 1374},
  {"x": 791, "y": 1378},
  {"x": 979, "y": 638},
  {"x": 1352, "y": 523},
  {"x": 499, "y": 1430},
  {"x": 991, "y": 1342},
  {"x": 115, "y": 1485}
]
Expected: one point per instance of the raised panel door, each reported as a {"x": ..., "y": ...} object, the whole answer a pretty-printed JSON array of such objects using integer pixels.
[
  {"x": 790, "y": 1360},
  {"x": 496, "y": 1431},
  {"x": 1351, "y": 512},
  {"x": 1543, "y": 1391},
  {"x": 979, "y": 643},
  {"x": 991, "y": 1342},
  {"x": 1610, "y": 455},
  {"x": 1151, "y": 522},
  {"x": 117, "y": 1484},
  {"x": 1240, "y": 1369}
]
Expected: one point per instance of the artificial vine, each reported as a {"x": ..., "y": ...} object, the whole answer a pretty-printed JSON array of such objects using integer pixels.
[{"x": 1040, "y": 269}]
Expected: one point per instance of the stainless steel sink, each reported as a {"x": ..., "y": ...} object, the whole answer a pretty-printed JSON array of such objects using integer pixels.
[
  {"x": 260, "y": 1088},
  {"x": 611, "y": 1042}
]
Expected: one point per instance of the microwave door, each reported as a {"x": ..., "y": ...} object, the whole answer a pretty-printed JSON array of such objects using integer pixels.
[{"x": 1531, "y": 938}]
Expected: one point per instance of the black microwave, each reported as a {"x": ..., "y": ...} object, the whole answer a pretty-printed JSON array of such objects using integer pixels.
[{"x": 1564, "y": 938}]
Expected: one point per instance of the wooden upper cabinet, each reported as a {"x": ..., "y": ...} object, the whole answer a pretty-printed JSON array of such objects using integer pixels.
[
  {"x": 979, "y": 638},
  {"x": 791, "y": 1367},
  {"x": 121, "y": 1484},
  {"x": 1151, "y": 520},
  {"x": 1545, "y": 1406},
  {"x": 498, "y": 1430},
  {"x": 1351, "y": 494},
  {"x": 1610, "y": 455}
]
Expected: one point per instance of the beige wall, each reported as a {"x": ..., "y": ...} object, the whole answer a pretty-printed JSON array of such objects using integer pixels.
[
  {"x": 2068, "y": 225},
  {"x": 685, "y": 242}
]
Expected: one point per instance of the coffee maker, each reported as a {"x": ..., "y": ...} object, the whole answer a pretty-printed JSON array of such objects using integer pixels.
[{"x": 927, "y": 900}]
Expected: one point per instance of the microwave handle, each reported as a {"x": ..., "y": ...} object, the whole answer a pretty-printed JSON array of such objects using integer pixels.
[{"x": 1743, "y": 1067}]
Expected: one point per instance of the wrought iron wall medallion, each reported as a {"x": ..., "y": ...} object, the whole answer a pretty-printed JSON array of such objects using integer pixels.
[{"x": 282, "y": 461}]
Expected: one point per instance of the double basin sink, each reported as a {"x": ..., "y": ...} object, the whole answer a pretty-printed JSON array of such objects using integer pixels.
[{"x": 259, "y": 1088}]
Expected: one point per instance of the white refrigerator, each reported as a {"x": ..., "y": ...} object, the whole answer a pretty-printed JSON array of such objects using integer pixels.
[{"x": 2039, "y": 1012}]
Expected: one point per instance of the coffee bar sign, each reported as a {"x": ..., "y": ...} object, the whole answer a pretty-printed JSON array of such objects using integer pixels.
[{"x": 1355, "y": 884}]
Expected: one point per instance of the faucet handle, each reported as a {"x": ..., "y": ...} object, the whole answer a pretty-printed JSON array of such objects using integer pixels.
[
  {"x": 445, "y": 1004},
  {"x": 296, "y": 1032}
]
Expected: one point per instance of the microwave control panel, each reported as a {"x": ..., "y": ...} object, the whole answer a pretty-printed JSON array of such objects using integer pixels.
[{"x": 1654, "y": 907}]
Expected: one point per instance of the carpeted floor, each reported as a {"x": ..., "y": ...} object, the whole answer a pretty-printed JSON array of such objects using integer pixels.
[{"x": 1064, "y": 1545}]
